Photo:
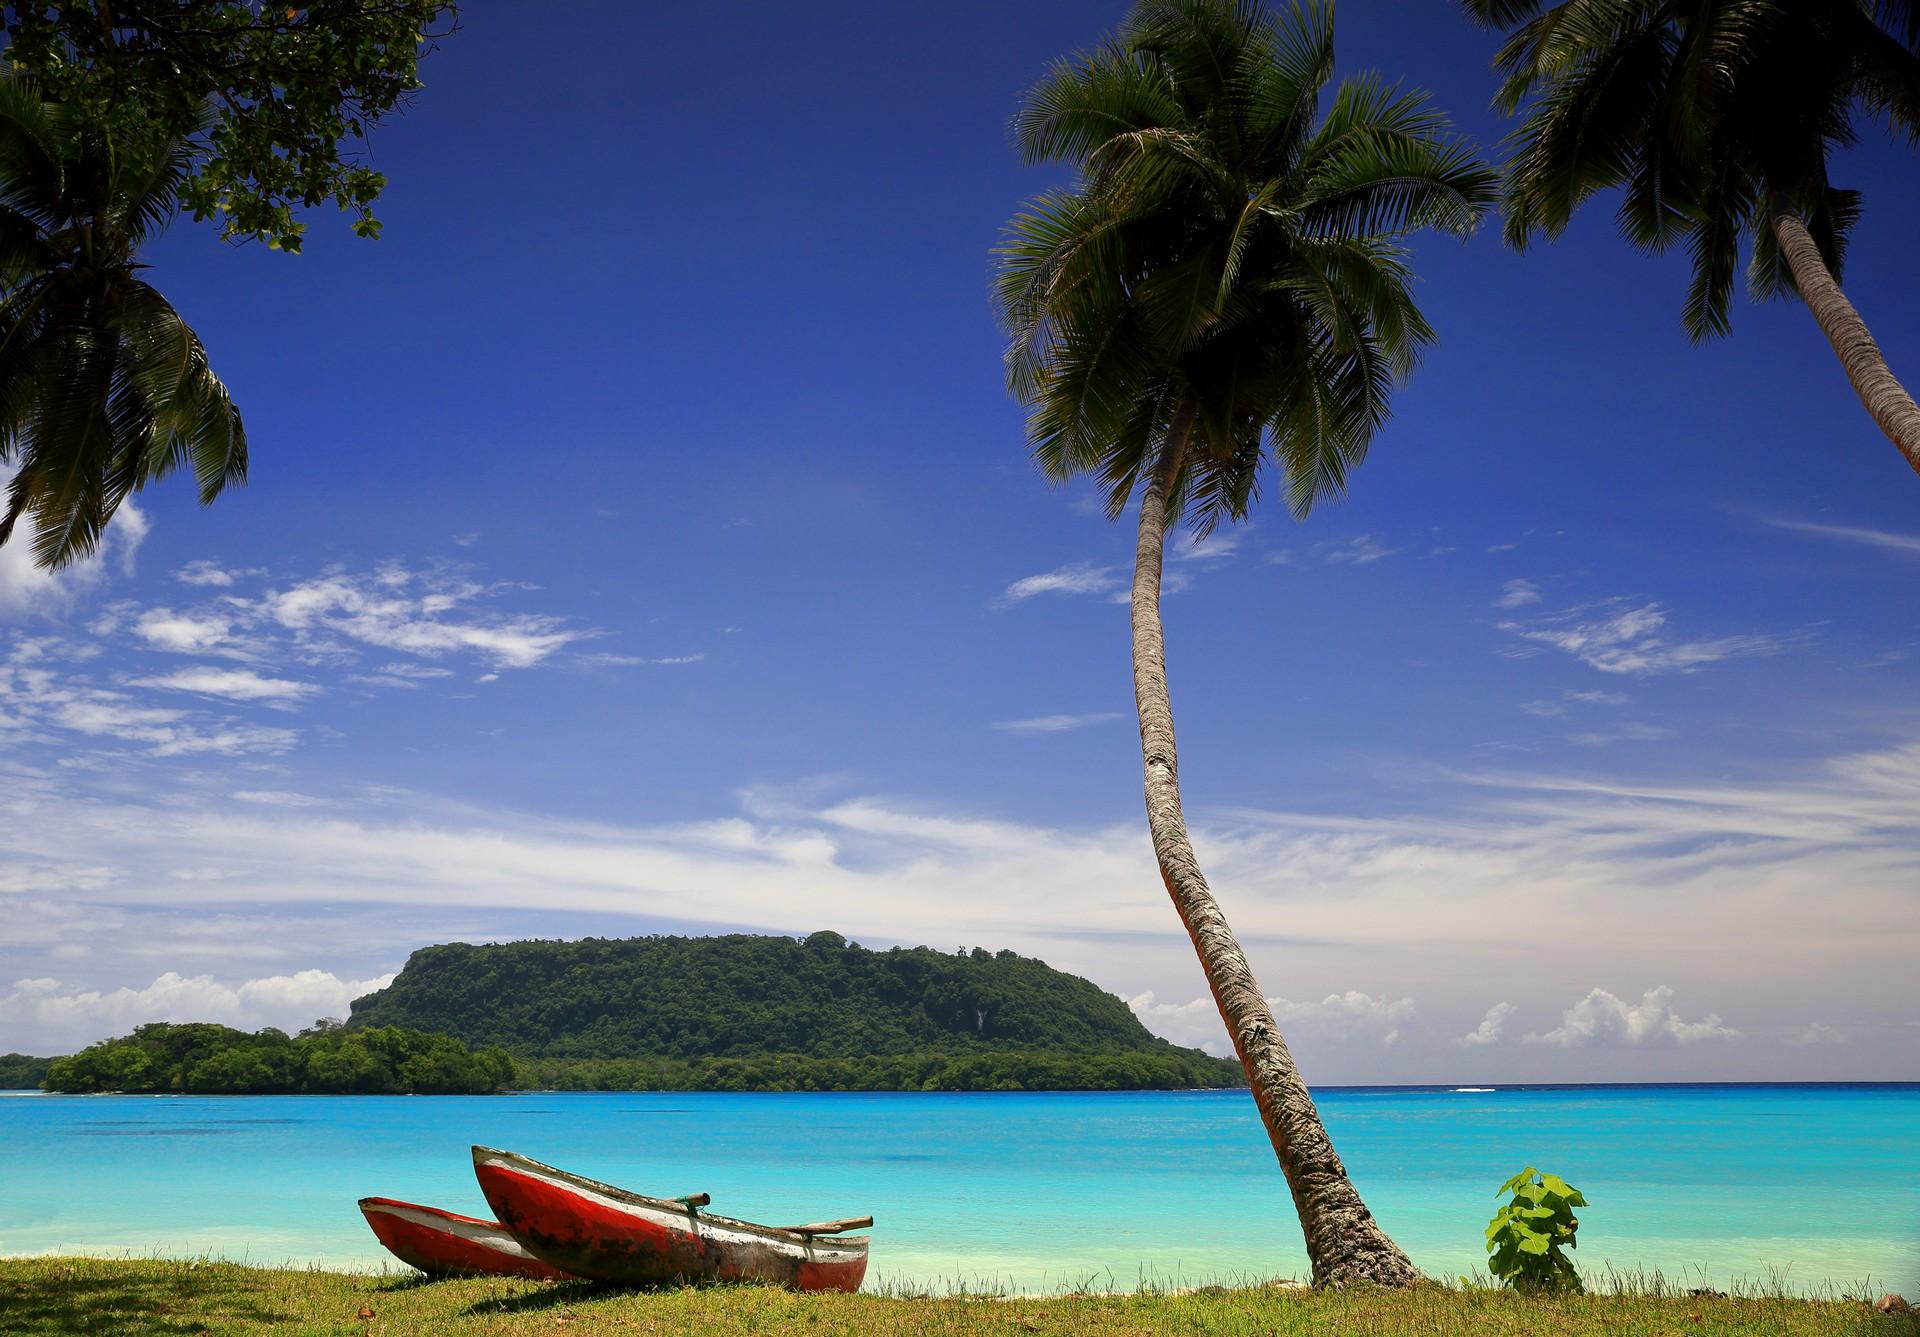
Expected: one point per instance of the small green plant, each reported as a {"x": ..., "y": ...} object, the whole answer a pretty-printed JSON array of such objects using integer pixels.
[{"x": 1526, "y": 1236}]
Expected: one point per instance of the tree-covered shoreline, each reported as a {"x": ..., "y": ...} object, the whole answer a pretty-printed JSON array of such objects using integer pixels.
[{"x": 201, "y": 1058}]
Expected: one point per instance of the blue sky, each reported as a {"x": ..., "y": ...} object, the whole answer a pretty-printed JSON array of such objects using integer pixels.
[{"x": 640, "y": 539}]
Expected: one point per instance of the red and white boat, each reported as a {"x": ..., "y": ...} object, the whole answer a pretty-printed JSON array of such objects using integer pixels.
[
  {"x": 445, "y": 1244},
  {"x": 604, "y": 1233}
]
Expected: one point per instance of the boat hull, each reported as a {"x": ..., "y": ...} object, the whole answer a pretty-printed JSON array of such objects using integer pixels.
[
  {"x": 607, "y": 1234},
  {"x": 446, "y": 1244}
]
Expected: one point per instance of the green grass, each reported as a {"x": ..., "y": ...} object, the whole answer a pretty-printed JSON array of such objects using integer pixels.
[{"x": 86, "y": 1295}]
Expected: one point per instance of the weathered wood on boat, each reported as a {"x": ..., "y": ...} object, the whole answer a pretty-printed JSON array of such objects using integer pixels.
[
  {"x": 603, "y": 1233},
  {"x": 829, "y": 1227}
]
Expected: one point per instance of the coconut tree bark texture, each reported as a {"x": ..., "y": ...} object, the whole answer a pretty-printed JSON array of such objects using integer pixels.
[
  {"x": 1886, "y": 399},
  {"x": 1344, "y": 1242}
]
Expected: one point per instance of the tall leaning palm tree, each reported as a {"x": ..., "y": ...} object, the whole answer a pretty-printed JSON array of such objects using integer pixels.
[
  {"x": 1222, "y": 284},
  {"x": 1718, "y": 118},
  {"x": 103, "y": 387}
]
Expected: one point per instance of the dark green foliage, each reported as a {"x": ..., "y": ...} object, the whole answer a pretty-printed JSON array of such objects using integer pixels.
[
  {"x": 1711, "y": 116},
  {"x": 986, "y": 1070},
  {"x": 103, "y": 386},
  {"x": 1229, "y": 258},
  {"x": 204, "y": 1058},
  {"x": 22, "y": 1072},
  {"x": 1527, "y": 1235},
  {"x": 293, "y": 91},
  {"x": 743, "y": 1012}
]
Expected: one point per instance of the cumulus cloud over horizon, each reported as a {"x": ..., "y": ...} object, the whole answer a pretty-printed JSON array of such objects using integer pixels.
[
  {"x": 72, "y": 1018},
  {"x": 1602, "y": 1019}
]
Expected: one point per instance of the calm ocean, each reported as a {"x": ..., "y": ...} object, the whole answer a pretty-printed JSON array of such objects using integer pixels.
[{"x": 1036, "y": 1191}]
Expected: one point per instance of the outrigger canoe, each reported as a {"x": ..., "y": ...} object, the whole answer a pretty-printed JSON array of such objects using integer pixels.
[
  {"x": 446, "y": 1244},
  {"x": 607, "y": 1234}
]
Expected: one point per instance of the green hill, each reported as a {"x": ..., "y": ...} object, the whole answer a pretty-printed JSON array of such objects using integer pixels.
[{"x": 746, "y": 1012}]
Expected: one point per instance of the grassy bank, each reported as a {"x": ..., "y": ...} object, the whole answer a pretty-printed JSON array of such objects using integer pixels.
[{"x": 69, "y": 1295}]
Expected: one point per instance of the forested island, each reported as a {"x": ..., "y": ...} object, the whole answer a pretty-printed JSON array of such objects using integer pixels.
[
  {"x": 747, "y": 1012},
  {"x": 741, "y": 1012},
  {"x": 201, "y": 1058}
]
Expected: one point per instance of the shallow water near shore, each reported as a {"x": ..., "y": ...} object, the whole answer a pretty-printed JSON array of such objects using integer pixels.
[{"x": 1814, "y": 1186}]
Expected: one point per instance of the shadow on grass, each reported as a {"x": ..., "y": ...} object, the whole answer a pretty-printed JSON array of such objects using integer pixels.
[
  {"x": 559, "y": 1295},
  {"x": 133, "y": 1304}
]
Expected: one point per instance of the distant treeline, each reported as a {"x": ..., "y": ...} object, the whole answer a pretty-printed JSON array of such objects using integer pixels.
[
  {"x": 326, "y": 1059},
  {"x": 993, "y": 1070},
  {"x": 22, "y": 1072}
]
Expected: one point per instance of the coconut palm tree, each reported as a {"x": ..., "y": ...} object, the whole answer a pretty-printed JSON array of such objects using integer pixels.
[
  {"x": 103, "y": 387},
  {"x": 1718, "y": 119},
  {"x": 1223, "y": 282}
]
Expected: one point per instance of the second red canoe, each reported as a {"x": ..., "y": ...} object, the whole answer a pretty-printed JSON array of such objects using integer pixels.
[{"x": 446, "y": 1244}]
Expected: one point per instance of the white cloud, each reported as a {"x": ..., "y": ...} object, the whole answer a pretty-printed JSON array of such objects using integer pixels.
[
  {"x": 631, "y": 661},
  {"x": 1599, "y": 698},
  {"x": 1337, "y": 1018},
  {"x": 1517, "y": 594},
  {"x": 1348, "y": 1015},
  {"x": 25, "y": 589},
  {"x": 183, "y": 633},
  {"x": 1215, "y": 547},
  {"x": 1490, "y": 1028},
  {"x": 1074, "y": 578},
  {"x": 1056, "y": 723},
  {"x": 1816, "y": 1033},
  {"x": 233, "y": 684},
  {"x": 397, "y": 609},
  {"x": 74, "y": 1017},
  {"x": 1628, "y": 640},
  {"x": 1358, "y": 550},
  {"x": 209, "y": 574},
  {"x": 1885, "y": 540},
  {"x": 1604, "y": 1020},
  {"x": 1631, "y": 732},
  {"x": 276, "y": 798}
]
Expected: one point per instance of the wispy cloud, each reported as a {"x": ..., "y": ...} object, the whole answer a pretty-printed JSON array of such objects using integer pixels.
[
  {"x": 1517, "y": 594},
  {"x": 1616, "y": 637},
  {"x": 1056, "y": 723},
  {"x": 231, "y": 683},
  {"x": 1073, "y": 578},
  {"x": 1215, "y": 547},
  {"x": 1631, "y": 732},
  {"x": 1358, "y": 550},
  {"x": 1883, "y": 539}
]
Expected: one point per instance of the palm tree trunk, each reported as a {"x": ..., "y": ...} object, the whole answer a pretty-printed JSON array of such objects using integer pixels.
[
  {"x": 1889, "y": 403},
  {"x": 1343, "y": 1241}
]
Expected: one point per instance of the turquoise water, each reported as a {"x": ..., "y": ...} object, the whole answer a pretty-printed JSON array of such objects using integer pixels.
[{"x": 1035, "y": 1191}]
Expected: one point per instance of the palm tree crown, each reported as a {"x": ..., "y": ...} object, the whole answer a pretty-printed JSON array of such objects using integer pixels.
[
  {"x": 1226, "y": 269},
  {"x": 1717, "y": 117},
  {"x": 103, "y": 387}
]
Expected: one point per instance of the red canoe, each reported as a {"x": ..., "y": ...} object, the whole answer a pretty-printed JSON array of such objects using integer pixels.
[
  {"x": 607, "y": 1234},
  {"x": 445, "y": 1244}
]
